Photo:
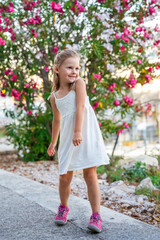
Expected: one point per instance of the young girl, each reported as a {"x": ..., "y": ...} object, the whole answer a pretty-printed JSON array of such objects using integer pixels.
[{"x": 81, "y": 144}]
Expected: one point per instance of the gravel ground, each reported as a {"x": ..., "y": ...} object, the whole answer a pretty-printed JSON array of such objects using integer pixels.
[{"x": 46, "y": 172}]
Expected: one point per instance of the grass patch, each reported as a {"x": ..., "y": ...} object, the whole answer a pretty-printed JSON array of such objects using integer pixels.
[
  {"x": 152, "y": 195},
  {"x": 136, "y": 173}
]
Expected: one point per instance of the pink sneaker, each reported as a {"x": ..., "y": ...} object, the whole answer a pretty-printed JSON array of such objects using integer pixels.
[
  {"x": 95, "y": 222},
  {"x": 61, "y": 217}
]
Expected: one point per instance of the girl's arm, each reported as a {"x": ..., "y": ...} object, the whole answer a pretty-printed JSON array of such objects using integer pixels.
[
  {"x": 80, "y": 88},
  {"x": 55, "y": 122}
]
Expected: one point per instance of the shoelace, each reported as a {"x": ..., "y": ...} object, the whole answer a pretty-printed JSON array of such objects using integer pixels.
[
  {"x": 95, "y": 219},
  {"x": 61, "y": 211}
]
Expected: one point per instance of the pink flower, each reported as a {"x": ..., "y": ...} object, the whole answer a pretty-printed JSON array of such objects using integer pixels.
[
  {"x": 141, "y": 21},
  {"x": 27, "y": 85},
  {"x": 46, "y": 68},
  {"x": 156, "y": 28},
  {"x": 97, "y": 76},
  {"x": 7, "y": 72},
  {"x": 131, "y": 81},
  {"x": 5, "y": 29},
  {"x": 152, "y": 10},
  {"x": 153, "y": 1},
  {"x": 92, "y": 91},
  {"x": 139, "y": 29},
  {"x": 111, "y": 88},
  {"x": 150, "y": 69},
  {"x": 34, "y": 86},
  {"x": 29, "y": 112},
  {"x": 11, "y": 4},
  {"x": 13, "y": 37},
  {"x": 158, "y": 66},
  {"x": 96, "y": 104},
  {"x": 139, "y": 61},
  {"x": 120, "y": 131},
  {"x": 100, "y": 124},
  {"x": 11, "y": 9},
  {"x": 2, "y": 42},
  {"x": 55, "y": 50},
  {"x": 101, "y": 1},
  {"x": 77, "y": 8},
  {"x": 11, "y": 30},
  {"x": 35, "y": 34},
  {"x": 156, "y": 43},
  {"x": 15, "y": 93},
  {"x": 33, "y": 4},
  {"x": 126, "y": 125},
  {"x": 128, "y": 100},
  {"x": 126, "y": 39},
  {"x": 146, "y": 35},
  {"x": 126, "y": 31},
  {"x": 14, "y": 78},
  {"x": 56, "y": 7},
  {"x": 148, "y": 77},
  {"x": 116, "y": 102},
  {"x": 127, "y": 7},
  {"x": 123, "y": 49}
]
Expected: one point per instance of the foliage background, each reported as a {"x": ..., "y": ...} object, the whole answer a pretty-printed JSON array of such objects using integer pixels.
[{"x": 112, "y": 37}]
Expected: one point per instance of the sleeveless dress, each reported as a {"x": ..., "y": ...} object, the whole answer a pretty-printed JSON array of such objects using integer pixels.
[{"x": 91, "y": 152}]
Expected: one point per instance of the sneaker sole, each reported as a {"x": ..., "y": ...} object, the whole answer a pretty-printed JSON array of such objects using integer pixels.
[
  {"x": 60, "y": 222},
  {"x": 94, "y": 228}
]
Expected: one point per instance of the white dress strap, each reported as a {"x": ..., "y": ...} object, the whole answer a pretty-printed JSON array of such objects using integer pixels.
[{"x": 51, "y": 94}]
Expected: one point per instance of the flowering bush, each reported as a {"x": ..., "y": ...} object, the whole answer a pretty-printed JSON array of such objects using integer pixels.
[{"x": 112, "y": 36}]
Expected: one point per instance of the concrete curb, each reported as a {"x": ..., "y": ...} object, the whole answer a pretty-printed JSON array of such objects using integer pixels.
[{"x": 116, "y": 226}]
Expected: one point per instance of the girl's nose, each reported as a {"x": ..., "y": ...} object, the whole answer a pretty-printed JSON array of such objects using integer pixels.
[{"x": 73, "y": 70}]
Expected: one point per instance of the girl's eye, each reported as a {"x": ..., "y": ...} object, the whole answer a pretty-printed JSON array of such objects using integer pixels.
[{"x": 71, "y": 68}]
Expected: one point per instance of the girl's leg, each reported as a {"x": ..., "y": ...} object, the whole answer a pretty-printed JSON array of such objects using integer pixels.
[
  {"x": 64, "y": 187},
  {"x": 94, "y": 195}
]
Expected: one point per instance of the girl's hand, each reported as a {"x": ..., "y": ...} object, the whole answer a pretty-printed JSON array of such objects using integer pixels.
[
  {"x": 77, "y": 138},
  {"x": 51, "y": 150}
]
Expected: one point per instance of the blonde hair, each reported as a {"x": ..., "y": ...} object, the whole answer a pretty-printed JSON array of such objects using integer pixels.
[{"x": 59, "y": 59}]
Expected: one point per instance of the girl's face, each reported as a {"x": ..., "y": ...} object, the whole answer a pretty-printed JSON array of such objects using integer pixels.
[{"x": 69, "y": 70}]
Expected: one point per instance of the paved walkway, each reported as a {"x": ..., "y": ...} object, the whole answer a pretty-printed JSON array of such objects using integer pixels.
[{"x": 28, "y": 208}]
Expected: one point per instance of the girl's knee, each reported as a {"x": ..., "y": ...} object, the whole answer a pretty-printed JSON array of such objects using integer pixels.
[
  {"x": 66, "y": 179},
  {"x": 89, "y": 174}
]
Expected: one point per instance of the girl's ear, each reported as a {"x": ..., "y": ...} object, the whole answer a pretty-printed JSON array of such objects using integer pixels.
[{"x": 55, "y": 68}]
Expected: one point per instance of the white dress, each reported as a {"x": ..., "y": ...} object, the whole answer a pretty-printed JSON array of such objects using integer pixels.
[{"x": 91, "y": 152}]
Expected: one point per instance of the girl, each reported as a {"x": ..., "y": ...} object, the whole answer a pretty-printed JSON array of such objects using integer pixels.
[{"x": 81, "y": 144}]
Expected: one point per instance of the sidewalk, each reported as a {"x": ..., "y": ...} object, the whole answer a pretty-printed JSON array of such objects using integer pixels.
[{"x": 28, "y": 208}]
